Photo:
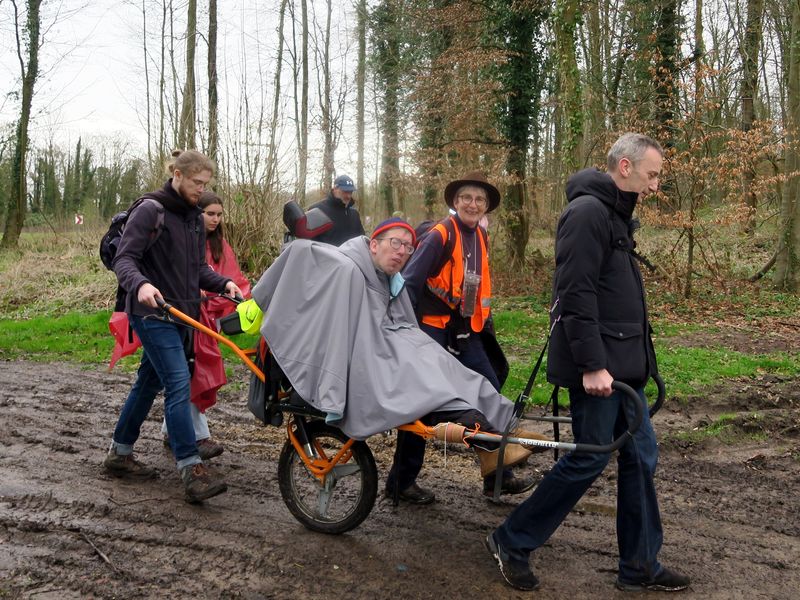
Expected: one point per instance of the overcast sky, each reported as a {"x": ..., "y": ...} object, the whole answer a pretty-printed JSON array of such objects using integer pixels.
[
  {"x": 91, "y": 81},
  {"x": 88, "y": 72}
]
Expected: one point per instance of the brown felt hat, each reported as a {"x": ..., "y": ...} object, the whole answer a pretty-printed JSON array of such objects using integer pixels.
[{"x": 478, "y": 179}]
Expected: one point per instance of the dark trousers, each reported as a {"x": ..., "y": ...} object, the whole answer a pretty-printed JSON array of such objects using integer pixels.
[
  {"x": 410, "y": 452},
  {"x": 596, "y": 420}
]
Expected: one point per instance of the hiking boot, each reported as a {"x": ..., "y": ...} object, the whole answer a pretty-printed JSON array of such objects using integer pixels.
[
  {"x": 509, "y": 485},
  {"x": 208, "y": 448},
  {"x": 413, "y": 494},
  {"x": 516, "y": 572},
  {"x": 199, "y": 485},
  {"x": 513, "y": 455},
  {"x": 666, "y": 581},
  {"x": 126, "y": 465}
]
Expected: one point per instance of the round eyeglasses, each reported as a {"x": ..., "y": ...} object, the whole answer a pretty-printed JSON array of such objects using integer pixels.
[{"x": 397, "y": 243}]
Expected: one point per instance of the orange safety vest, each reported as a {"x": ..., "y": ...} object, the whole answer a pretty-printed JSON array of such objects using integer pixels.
[{"x": 450, "y": 280}]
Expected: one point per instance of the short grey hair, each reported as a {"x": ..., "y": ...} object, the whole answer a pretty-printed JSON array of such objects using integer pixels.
[{"x": 632, "y": 146}]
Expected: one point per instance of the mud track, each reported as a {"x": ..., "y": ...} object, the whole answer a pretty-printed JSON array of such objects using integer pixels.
[{"x": 730, "y": 506}]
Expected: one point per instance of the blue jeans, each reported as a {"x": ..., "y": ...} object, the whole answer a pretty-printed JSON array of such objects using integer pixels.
[
  {"x": 163, "y": 367},
  {"x": 597, "y": 420}
]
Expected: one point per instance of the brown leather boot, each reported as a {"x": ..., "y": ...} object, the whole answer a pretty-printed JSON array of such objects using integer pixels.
[
  {"x": 530, "y": 435},
  {"x": 514, "y": 455},
  {"x": 199, "y": 485}
]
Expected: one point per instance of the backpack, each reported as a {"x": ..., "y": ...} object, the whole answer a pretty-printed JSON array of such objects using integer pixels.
[
  {"x": 109, "y": 244},
  {"x": 425, "y": 227}
]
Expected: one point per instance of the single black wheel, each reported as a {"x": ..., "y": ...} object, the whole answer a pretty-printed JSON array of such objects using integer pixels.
[{"x": 342, "y": 499}]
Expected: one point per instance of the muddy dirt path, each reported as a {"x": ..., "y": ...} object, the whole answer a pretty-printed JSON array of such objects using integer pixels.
[{"x": 67, "y": 530}]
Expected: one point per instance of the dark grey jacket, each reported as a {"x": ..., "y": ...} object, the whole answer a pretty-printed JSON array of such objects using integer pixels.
[
  {"x": 175, "y": 263},
  {"x": 601, "y": 300}
]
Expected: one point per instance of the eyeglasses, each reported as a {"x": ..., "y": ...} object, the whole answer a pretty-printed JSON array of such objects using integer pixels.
[
  {"x": 480, "y": 201},
  {"x": 397, "y": 243}
]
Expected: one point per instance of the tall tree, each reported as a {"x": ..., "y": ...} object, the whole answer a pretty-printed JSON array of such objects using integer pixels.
[
  {"x": 666, "y": 70},
  {"x": 433, "y": 112},
  {"x": 361, "y": 70},
  {"x": 518, "y": 26},
  {"x": 302, "y": 142},
  {"x": 787, "y": 266},
  {"x": 188, "y": 120},
  {"x": 386, "y": 39},
  {"x": 272, "y": 156},
  {"x": 213, "y": 97},
  {"x": 749, "y": 50},
  {"x": 567, "y": 16},
  {"x": 146, "y": 81},
  {"x": 330, "y": 108},
  {"x": 29, "y": 71}
]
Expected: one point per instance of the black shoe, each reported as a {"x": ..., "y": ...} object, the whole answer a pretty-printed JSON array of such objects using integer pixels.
[
  {"x": 510, "y": 485},
  {"x": 517, "y": 573},
  {"x": 413, "y": 494},
  {"x": 666, "y": 581}
]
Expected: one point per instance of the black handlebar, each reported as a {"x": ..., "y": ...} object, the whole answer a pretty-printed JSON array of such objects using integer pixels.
[
  {"x": 633, "y": 425},
  {"x": 662, "y": 392}
]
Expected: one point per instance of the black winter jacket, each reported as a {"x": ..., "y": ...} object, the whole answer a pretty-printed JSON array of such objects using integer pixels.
[
  {"x": 176, "y": 262},
  {"x": 598, "y": 287},
  {"x": 346, "y": 220}
]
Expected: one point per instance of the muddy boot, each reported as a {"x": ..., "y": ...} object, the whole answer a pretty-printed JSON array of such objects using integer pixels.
[
  {"x": 208, "y": 448},
  {"x": 199, "y": 485},
  {"x": 126, "y": 465},
  {"x": 514, "y": 455}
]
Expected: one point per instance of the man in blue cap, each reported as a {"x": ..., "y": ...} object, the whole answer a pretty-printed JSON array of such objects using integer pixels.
[{"x": 339, "y": 206}]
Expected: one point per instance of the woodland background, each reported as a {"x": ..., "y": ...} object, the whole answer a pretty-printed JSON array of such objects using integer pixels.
[{"x": 416, "y": 92}]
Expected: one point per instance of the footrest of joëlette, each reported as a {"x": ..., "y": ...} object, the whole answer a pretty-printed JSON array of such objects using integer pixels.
[{"x": 296, "y": 405}]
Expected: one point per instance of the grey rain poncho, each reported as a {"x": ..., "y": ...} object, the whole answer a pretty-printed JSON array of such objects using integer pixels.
[{"x": 351, "y": 351}]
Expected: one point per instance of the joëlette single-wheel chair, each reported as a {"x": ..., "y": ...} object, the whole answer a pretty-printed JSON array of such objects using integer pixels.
[{"x": 328, "y": 481}]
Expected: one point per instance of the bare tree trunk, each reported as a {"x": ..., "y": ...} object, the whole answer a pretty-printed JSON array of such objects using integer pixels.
[
  {"x": 162, "y": 89},
  {"x": 213, "y": 98},
  {"x": 272, "y": 157},
  {"x": 361, "y": 70},
  {"x": 147, "y": 83},
  {"x": 326, "y": 103},
  {"x": 787, "y": 265},
  {"x": 187, "y": 135},
  {"x": 18, "y": 197},
  {"x": 749, "y": 88},
  {"x": 176, "y": 140},
  {"x": 696, "y": 187},
  {"x": 302, "y": 147}
]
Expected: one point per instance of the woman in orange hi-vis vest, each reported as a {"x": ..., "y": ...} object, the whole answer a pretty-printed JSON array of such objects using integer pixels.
[{"x": 449, "y": 282}]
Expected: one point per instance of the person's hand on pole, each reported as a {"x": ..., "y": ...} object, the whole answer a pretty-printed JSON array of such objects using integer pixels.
[
  {"x": 598, "y": 383},
  {"x": 147, "y": 295},
  {"x": 232, "y": 290}
]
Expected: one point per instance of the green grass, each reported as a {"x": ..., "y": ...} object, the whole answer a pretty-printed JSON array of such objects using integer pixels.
[
  {"x": 687, "y": 371},
  {"x": 74, "y": 337},
  {"x": 521, "y": 329},
  {"x": 522, "y": 324},
  {"x": 727, "y": 428}
]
